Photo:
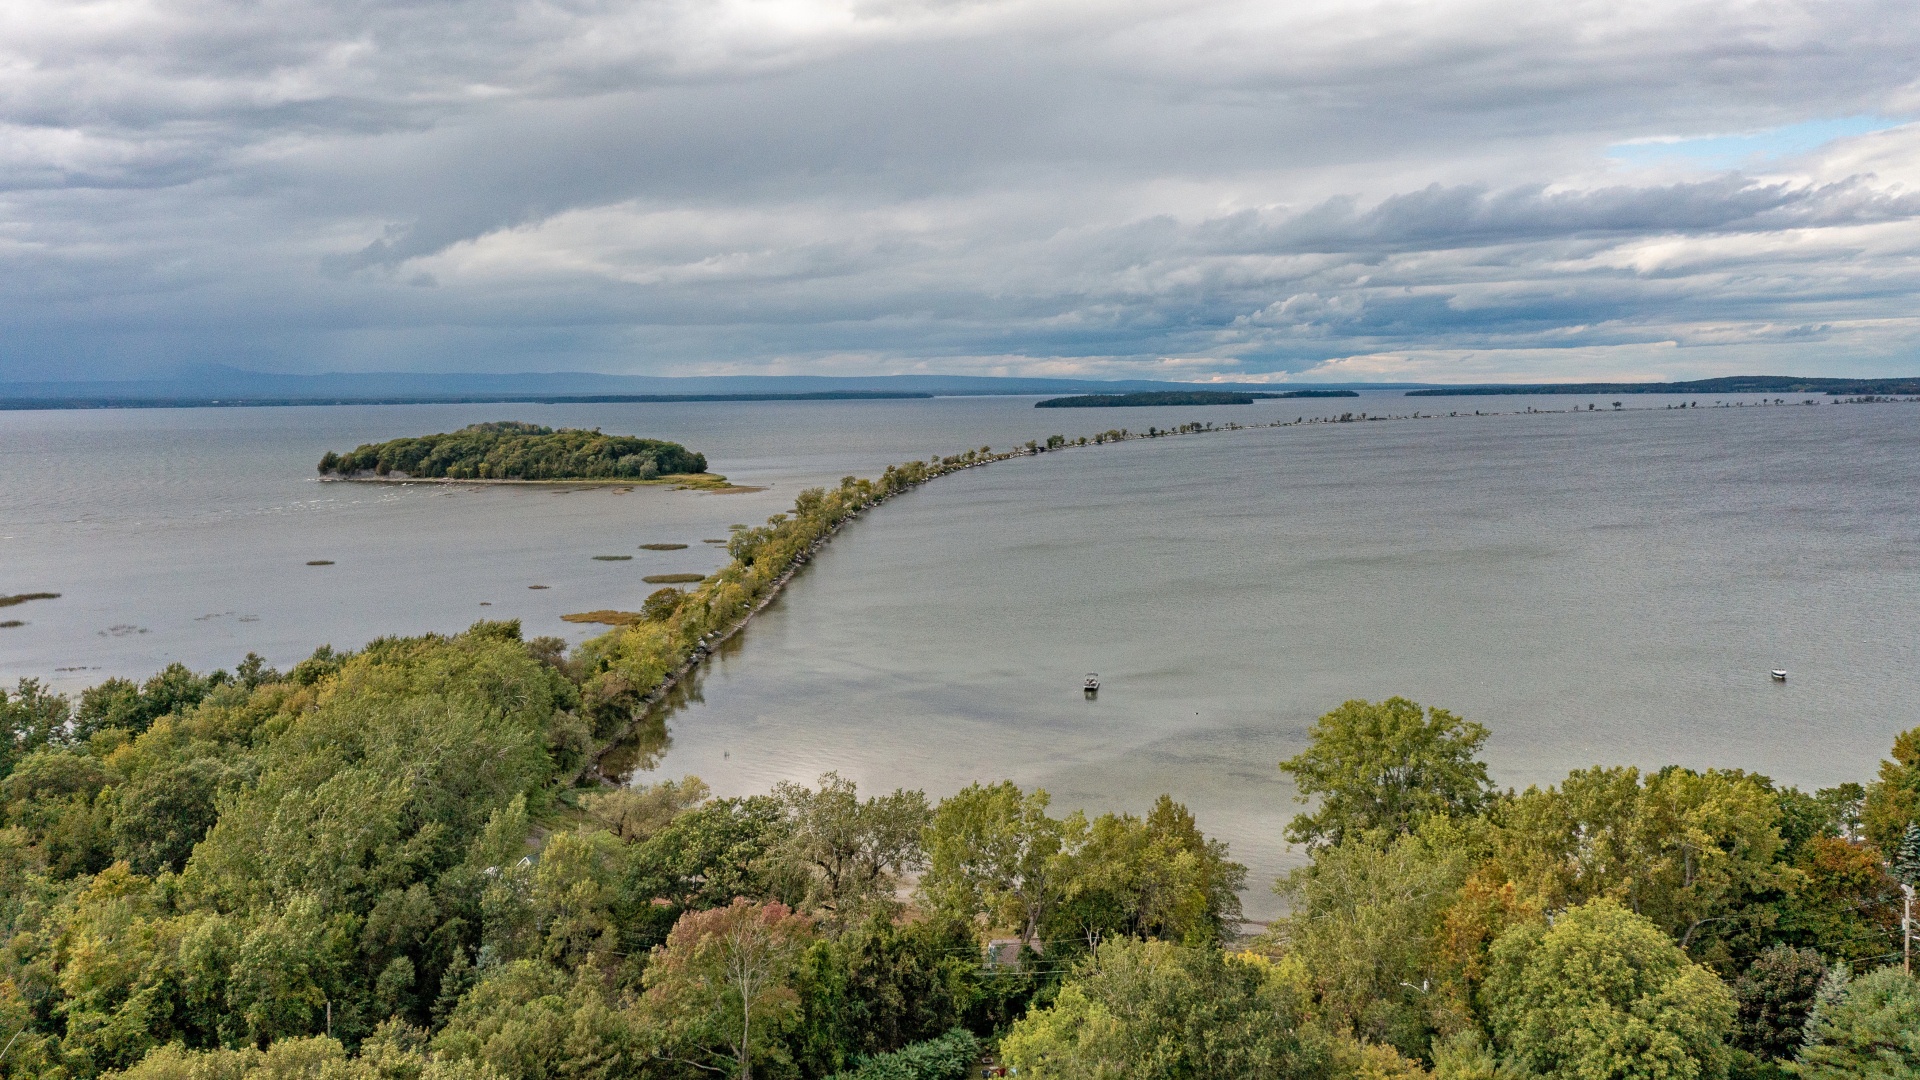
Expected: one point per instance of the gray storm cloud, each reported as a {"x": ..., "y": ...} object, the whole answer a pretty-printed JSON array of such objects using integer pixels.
[{"x": 1190, "y": 189}]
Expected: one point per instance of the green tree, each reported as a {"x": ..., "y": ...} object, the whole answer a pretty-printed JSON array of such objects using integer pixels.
[
  {"x": 950, "y": 1057},
  {"x": 1157, "y": 877},
  {"x": 31, "y": 718},
  {"x": 878, "y": 987},
  {"x": 1893, "y": 801},
  {"x": 528, "y": 1021},
  {"x": 389, "y": 774},
  {"x": 636, "y": 813},
  {"x": 1152, "y": 1010},
  {"x": 1693, "y": 851},
  {"x": 1904, "y": 865},
  {"x": 705, "y": 858},
  {"x": 1603, "y": 994},
  {"x": 161, "y": 814},
  {"x": 507, "y": 449},
  {"x": 722, "y": 982},
  {"x": 991, "y": 851},
  {"x": 1364, "y": 921},
  {"x": 1385, "y": 767},
  {"x": 1872, "y": 1032},
  {"x": 118, "y": 703},
  {"x": 854, "y": 850},
  {"x": 1775, "y": 994},
  {"x": 57, "y": 796}
]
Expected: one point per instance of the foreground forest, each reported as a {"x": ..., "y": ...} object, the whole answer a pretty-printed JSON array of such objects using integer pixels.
[
  {"x": 367, "y": 867},
  {"x": 398, "y": 864}
]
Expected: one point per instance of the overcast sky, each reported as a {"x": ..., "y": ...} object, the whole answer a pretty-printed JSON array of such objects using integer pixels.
[{"x": 1458, "y": 190}]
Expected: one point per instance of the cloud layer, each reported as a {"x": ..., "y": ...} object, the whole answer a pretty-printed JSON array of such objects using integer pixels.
[{"x": 1175, "y": 188}]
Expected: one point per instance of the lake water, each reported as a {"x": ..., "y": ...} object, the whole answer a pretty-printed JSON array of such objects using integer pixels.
[{"x": 1595, "y": 588}]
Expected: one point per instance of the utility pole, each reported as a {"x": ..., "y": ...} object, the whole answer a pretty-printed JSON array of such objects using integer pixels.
[
  {"x": 1905, "y": 867},
  {"x": 1906, "y": 925}
]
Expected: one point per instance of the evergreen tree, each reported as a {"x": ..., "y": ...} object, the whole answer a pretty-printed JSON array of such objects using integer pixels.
[{"x": 1906, "y": 857}]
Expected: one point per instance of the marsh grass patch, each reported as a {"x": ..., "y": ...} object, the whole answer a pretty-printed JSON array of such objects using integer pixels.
[
  {"x": 673, "y": 579},
  {"x": 319, "y": 562},
  {"x": 11, "y": 623},
  {"x": 21, "y": 598},
  {"x": 613, "y": 558},
  {"x": 605, "y": 617},
  {"x": 663, "y": 547}
]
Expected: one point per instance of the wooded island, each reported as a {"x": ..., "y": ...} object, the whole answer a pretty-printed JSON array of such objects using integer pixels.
[
  {"x": 1150, "y": 398},
  {"x": 511, "y": 450}
]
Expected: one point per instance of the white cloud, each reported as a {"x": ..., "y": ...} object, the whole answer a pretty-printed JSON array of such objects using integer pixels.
[{"x": 1191, "y": 187}]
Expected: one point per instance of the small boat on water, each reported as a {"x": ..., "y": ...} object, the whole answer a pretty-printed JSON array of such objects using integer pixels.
[
  {"x": 1092, "y": 685},
  {"x": 1779, "y": 674}
]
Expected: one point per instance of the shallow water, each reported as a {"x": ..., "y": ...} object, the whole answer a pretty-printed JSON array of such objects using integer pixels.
[{"x": 1605, "y": 587}]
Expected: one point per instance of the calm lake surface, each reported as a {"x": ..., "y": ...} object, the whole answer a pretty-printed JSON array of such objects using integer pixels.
[{"x": 1595, "y": 588}]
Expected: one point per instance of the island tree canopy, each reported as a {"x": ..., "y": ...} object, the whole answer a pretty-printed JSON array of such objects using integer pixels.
[{"x": 509, "y": 450}]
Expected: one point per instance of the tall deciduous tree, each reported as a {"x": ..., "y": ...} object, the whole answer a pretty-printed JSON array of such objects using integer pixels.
[
  {"x": 1364, "y": 921},
  {"x": 722, "y": 981},
  {"x": 1685, "y": 849},
  {"x": 1893, "y": 801},
  {"x": 853, "y": 849},
  {"x": 1602, "y": 994},
  {"x": 1158, "y": 877},
  {"x": 1385, "y": 767},
  {"x": 991, "y": 851}
]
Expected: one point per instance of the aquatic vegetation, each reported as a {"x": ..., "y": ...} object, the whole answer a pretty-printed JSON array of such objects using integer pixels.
[
  {"x": 605, "y": 617},
  {"x": 21, "y": 598},
  {"x": 663, "y": 547},
  {"x": 673, "y": 579},
  {"x": 319, "y": 562},
  {"x": 613, "y": 558},
  {"x": 11, "y": 623},
  {"x": 539, "y": 586},
  {"x": 509, "y": 450}
]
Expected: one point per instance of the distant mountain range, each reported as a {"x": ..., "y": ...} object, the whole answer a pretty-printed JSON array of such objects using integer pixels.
[{"x": 226, "y": 386}]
